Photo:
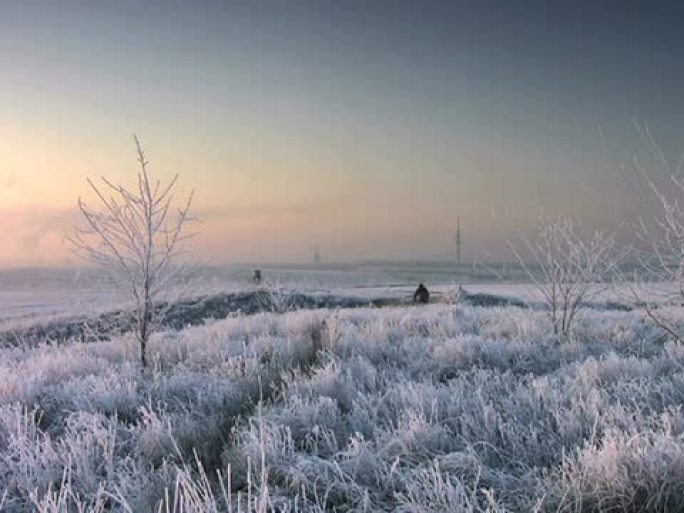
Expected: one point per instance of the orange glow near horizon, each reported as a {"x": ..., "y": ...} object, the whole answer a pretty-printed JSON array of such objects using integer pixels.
[{"x": 268, "y": 205}]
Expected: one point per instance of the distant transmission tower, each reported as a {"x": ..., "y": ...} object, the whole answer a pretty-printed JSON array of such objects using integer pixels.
[
  {"x": 458, "y": 240},
  {"x": 316, "y": 255}
]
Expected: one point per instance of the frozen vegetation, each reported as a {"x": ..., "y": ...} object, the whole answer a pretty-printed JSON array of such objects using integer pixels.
[{"x": 445, "y": 407}]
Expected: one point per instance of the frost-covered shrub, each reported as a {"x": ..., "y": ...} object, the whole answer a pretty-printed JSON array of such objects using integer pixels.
[{"x": 630, "y": 472}]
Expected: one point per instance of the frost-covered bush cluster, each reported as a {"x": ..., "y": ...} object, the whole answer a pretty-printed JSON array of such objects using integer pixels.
[{"x": 433, "y": 409}]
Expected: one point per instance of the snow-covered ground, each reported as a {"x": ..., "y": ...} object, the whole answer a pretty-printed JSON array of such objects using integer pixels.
[
  {"x": 437, "y": 408},
  {"x": 34, "y": 293}
]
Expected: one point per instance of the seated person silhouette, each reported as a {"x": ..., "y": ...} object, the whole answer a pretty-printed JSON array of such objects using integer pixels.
[{"x": 421, "y": 295}]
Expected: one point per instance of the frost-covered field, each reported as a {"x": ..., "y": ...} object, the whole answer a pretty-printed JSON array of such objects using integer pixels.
[
  {"x": 411, "y": 409},
  {"x": 26, "y": 294}
]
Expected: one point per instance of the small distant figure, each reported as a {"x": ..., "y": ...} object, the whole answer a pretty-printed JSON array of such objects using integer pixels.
[
  {"x": 421, "y": 295},
  {"x": 256, "y": 277}
]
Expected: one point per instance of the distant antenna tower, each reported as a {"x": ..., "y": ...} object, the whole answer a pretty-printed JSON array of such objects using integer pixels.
[
  {"x": 458, "y": 240},
  {"x": 317, "y": 255}
]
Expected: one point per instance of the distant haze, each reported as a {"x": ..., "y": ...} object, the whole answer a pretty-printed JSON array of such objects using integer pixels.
[{"x": 363, "y": 127}]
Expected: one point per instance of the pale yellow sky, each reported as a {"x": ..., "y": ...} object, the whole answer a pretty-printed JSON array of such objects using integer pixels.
[{"x": 271, "y": 202}]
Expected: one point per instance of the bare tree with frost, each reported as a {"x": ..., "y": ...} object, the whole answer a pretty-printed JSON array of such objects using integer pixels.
[
  {"x": 566, "y": 269},
  {"x": 659, "y": 276},
  {"x": 139, "y": 235}
]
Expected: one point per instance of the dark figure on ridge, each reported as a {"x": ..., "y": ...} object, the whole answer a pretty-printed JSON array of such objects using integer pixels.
[
  {"x": 256, "y": 276},
  {"x": 421, "y": 295}
]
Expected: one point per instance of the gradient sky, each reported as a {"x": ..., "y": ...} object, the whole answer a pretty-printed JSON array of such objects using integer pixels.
[{"x": 364, "y": 126}]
